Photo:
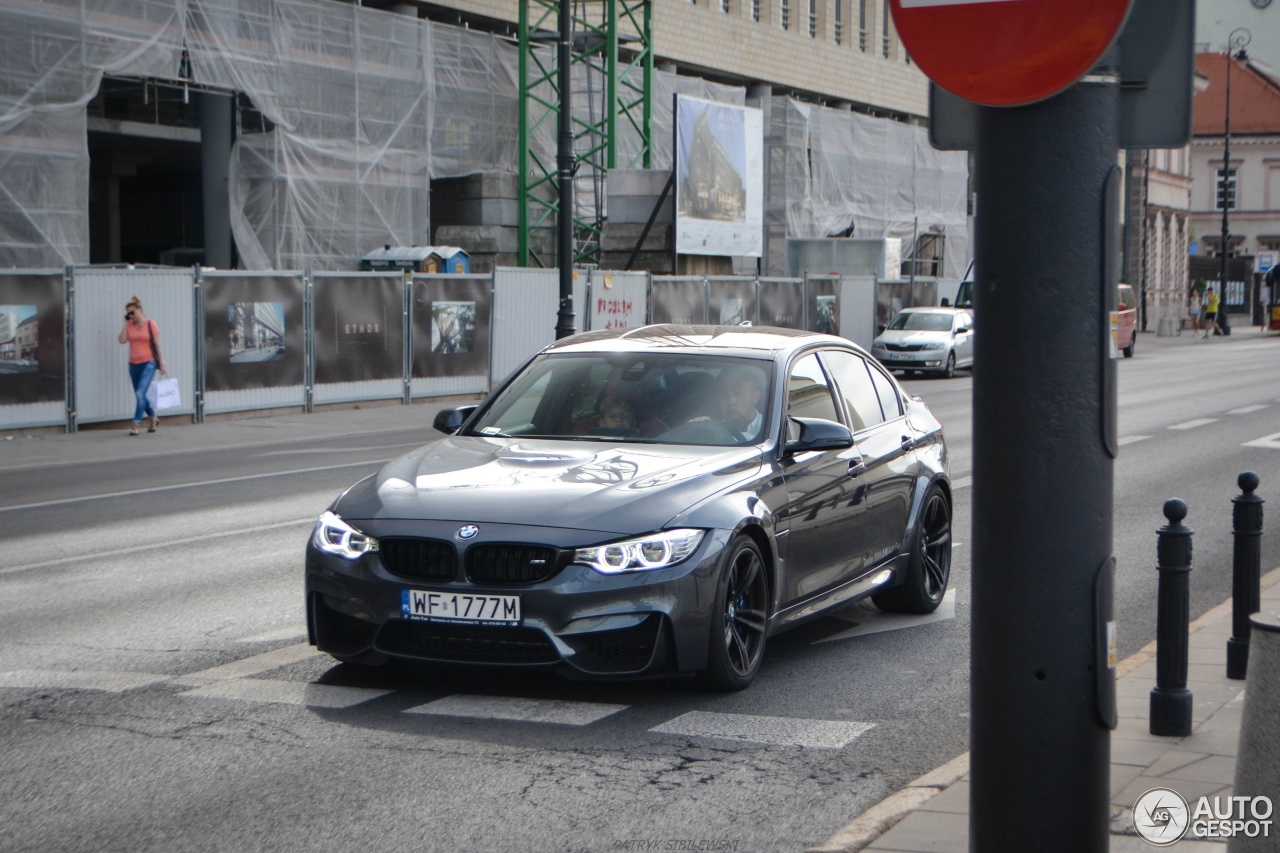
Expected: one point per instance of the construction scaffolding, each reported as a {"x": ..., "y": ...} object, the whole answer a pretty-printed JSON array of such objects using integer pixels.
[{"x": 360, "y": 109}]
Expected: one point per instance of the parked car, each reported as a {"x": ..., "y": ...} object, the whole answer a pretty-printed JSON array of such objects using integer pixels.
[
  {"x": 641, "y": 502},
  {"x": 1126, "y": 319},
  {"x": 929, "y": 340}
]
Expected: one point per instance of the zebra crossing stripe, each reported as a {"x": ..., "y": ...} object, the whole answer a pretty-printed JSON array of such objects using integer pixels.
[
  {"x": 301, "y": 693},
  {"x": 515, "y": 708},
  {"x": 249, "y": 666},
  {"x": 110, "y": 682},
  {"x": 773, "y": 731}
]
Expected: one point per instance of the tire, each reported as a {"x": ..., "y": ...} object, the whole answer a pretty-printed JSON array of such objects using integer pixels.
[
  {"x": 950, "y": 369},
  {"x": 927, "y": 574},
  {"x": 1128, "y": 351},
  {"x": 739, "y": 619}
]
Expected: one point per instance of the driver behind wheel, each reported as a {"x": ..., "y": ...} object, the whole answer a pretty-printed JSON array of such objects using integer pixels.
[{"x": 739, "y": 391}]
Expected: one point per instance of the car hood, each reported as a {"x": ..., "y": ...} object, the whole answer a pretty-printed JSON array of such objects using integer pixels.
[
  {"x": 620, "y": 488},
  {"x": 912, "y": 336}
]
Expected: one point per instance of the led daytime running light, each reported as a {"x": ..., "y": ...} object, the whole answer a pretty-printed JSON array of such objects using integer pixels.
[
  {"x": 656, "y": 551},
  {"x": 335, "y": 536}
]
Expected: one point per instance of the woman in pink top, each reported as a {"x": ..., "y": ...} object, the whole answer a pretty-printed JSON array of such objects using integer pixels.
[{"x": 143, "y": 337}]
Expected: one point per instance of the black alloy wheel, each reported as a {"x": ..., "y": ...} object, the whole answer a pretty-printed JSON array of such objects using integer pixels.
[
  {"x": 928, "y": 573},
  {"x": 740, "y": 619}
]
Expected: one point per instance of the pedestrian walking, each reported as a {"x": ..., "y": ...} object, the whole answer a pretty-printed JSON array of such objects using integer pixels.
[
  {"x": 145, "y": 356},
  {"x": 1211, "y": 302},
  {"x": 1193, "y": 312}
]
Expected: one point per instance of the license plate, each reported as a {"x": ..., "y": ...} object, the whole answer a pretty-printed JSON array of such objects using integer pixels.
[
  {"x": 428, "y": 606},
  {"x": 901, "y": 356}
]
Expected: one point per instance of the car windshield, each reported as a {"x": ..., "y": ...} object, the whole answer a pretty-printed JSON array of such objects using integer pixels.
[
  {"x": 664, "y": 398},
  {"x": 921, "y": 321}
]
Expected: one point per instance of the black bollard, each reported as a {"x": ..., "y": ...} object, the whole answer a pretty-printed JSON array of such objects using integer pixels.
[
  {"x": 1246, "y": 576},
  {"x": 1170, "y": 698}
]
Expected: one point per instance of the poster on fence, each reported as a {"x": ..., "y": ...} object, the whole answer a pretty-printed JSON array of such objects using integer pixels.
[
  {"x": 677, "y": 301},
  {"x": 731, "y": 302},
  {"x": 824, "y": 308},
  {"x": 719, "y": 178},
  {"x": 359, "y": 328},
  {"x": 451, "y": 318},
  {"x": 782, "y": 304},
  {"x": 253, "y": 332},
  {"x": 33, "y": 339}
]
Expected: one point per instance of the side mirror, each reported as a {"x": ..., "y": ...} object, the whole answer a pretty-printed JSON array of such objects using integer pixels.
[
  {"x": 449, "y": 420},
  {"x": 818, "y": 434},
  {"x": 880, "y": 328}
]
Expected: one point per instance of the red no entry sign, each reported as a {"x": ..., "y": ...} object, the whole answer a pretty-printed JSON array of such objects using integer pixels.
[{"x": 1007, "y": 52}]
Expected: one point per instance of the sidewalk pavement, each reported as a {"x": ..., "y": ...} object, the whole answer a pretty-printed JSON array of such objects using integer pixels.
[
  {"x": 931, "y": 814},
  {"x": 37, "y": 448}
]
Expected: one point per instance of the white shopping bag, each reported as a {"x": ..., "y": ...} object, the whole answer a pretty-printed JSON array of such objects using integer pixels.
[{"x": 164, "y": 394}]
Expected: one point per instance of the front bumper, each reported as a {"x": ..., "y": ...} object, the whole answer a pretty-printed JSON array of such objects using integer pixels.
[
  {"x": 919, "y": 360},
  {"x": 578, "y": 620}
]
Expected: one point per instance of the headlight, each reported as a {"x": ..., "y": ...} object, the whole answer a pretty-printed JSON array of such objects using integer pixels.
[
  {"x": 334, "y": 536},
  {"x": 878, "y": 343},
  {"x": 656, "y": 551},
  {"x": 935, "y": 345}
]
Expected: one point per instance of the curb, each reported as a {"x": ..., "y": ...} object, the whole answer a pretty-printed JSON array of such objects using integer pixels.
[{"x": 884, "y": 815}]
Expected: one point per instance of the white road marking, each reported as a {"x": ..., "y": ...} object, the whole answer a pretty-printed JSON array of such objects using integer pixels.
[
  {"x": 111, "y": 682},
  {"x": 249, "y": 666},
  {"x": 873, "y": 623},
  {"x": 1269, "y": 441},
  {"x": 775, "y": 731},
  {"x": 1198, "y": 422},
  {"x": 1131, "y": 439},
  {"x": 293, "y": 633},
  {"x": 961, "y": 483},
  {"x": 287, "y": 693},
  {"x": 1245, "y": 410},
  {"x": 556, "y": 711},
  {"x": 154, "y": 546},
  {"x": 195, "y": 485}
]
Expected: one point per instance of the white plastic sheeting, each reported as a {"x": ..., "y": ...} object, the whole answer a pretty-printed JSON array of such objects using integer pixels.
[
  {"x": 880, "y": 177},
  {"x": 368, "y": 106}
]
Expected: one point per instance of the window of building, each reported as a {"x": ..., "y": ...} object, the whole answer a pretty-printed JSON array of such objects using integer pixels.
[
  {"x": 755, "y": 10},
  {"x": 813, "y": 18},
  {"x": 1226, "y": 190},
  {"x": 884, "y": 29},
  {"x": 837, "y": 31},
  {"x": 785, "y": 9},
  {"x": 724, "y": 6},
  {"x": 862, "y": 25}
]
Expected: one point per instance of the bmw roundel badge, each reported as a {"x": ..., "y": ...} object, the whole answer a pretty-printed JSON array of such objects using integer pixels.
[{"x": 467, "y": 532}]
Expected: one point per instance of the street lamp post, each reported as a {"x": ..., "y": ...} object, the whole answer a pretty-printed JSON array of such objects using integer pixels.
[{"x": 1236, "y": 43}]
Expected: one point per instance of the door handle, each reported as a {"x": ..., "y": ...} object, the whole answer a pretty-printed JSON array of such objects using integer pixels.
[
  {"x": 856, "y": 468},
  {"x": 908, "y": 443}
]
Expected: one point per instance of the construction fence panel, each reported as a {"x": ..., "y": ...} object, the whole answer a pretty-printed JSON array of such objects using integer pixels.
[
  {"x": 255, "y": 336},
  {"x": 618, "y": 300},
  {"x": 103, "y": 390},
  {"x": 733, "y": 300},
  {"x": 822, "y": 304},
  {"x": 858, "y": 309},
  {"x": 679, "y": 300},
  {"x": 359, "y": 339},
  {"x": 526, "y": 304},
  {"x": 33, "y": 348},
  {"x": 782, "y": 303},
  {"x": 452, "y": 333}
]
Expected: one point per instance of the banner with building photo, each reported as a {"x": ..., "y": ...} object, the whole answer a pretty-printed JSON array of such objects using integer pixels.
[
  {"x": 824, "y": 310},
  {"x": 677, "y": 300},
  {"x": 253, "y": 332},
  {"x": 719, "y": 170},
  {"x": 451, "y": 322},
  {"x": 33, "y": 339},
  {"x": 731, "y": 302},
  {"x": 782, "y": 303},
  {"x": 359, "y": 328}
]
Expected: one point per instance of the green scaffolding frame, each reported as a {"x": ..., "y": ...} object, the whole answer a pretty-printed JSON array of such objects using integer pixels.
[{"x": 598, "y": 28}]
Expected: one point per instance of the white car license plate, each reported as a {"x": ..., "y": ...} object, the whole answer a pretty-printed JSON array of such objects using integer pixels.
[
  {"x": 901, "y": 356},
  {"x": 429, "y": 606}
]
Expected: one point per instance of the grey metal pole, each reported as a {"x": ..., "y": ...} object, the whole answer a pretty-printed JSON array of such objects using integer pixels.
[
  {"x": 1223, "y": 322},
  {"x": 1048, "y": 259},
  {"x": 564, "y": 173}
]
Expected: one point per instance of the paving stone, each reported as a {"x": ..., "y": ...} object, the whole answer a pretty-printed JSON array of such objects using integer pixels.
[{"x": 927, "y": 832}]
